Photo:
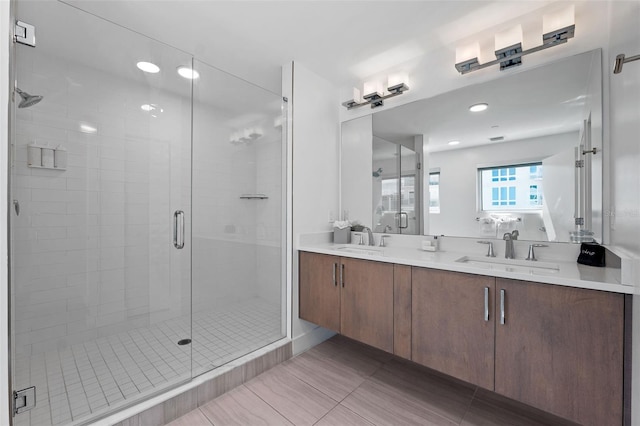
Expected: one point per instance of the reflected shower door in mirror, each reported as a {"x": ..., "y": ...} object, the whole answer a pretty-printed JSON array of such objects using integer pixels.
[
  {"x": 511, "y": 166},
  {"x": 396, "y": 181}
]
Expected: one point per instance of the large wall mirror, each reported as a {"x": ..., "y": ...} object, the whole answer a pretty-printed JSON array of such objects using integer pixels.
[{"x": 531, "y": 161}]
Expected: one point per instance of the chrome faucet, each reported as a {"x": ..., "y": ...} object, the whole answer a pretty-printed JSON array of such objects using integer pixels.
[
  {"x": 370, "y": 236},
  {"x": 490, "y": 252},
  {"x": 509, "y": 253}
]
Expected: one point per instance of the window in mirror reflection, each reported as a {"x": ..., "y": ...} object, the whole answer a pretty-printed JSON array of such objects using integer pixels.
[
  {"x": 511, "y": 187},
  {"x": 434, "y": 192},
  {"x": 390, "y": 193}
]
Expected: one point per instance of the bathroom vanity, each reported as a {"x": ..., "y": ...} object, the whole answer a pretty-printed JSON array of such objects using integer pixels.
[{"x": 551, "y": 336}]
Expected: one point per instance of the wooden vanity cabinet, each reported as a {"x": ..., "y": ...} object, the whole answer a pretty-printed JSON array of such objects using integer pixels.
[
  {"x": 560, "y": 349},
  {"x": 351, "y": 296},
  {"x": 453, "y": 324},
  {"x": 366, "y": 309},
  {"x": 319, "y": 290}
]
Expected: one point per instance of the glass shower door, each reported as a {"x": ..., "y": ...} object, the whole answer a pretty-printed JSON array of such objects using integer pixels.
[{"x": 100, "y": 220}]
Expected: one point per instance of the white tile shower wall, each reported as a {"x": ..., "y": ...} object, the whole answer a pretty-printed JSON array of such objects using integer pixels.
[
  {"x": 232, "y": 237},
  {"x": 92, "y": 243}
]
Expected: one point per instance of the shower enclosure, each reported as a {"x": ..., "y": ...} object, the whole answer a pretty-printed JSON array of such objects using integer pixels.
[{"x": 146, "y": 217}]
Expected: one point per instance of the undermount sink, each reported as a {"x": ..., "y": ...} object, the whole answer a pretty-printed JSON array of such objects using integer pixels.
[
  {"x": 368, "y": 250},
  {"x": 511, "y": 265}
]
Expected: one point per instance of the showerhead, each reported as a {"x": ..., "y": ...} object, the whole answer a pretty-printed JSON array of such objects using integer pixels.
[{"x": 27, "y": 99}]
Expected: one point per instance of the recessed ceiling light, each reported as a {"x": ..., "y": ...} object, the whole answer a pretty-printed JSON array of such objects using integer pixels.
[
  {"x": 187, "y": 72},
  {"x": 88, "y": 128},
  {"x": 454, "y": 143},
  {"x": 478, "y": 107},
  {"x": 147, "y": 107},
  {"x": 148, "y": 67}
]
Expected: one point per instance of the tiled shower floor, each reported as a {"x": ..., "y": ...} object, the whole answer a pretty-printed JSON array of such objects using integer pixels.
[{"x": 89, "y": 378}]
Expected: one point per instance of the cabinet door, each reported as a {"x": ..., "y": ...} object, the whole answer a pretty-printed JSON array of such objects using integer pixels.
[
  {"x": 319, "y": 290},
  {"x": 402, "y": 311},
  {"x": 560, "y": 349},
  {"x": 451, "y": 331},
  {"x": 367, "y": 302}
]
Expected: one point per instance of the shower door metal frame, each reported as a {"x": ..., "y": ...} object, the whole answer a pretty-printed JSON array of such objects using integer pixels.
[{"x": 7, "y": 333}]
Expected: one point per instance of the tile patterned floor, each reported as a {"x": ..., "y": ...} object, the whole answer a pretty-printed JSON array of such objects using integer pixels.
[
  {"x": 342, "y": 382},
  {"x": 94, "y": 377}
]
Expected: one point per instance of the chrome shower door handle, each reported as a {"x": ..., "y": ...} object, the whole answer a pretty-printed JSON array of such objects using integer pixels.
[{"x": 178, "y": 229}]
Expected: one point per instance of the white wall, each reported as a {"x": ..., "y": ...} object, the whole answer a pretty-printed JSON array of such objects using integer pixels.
[
  {"x": 624, "y": 116},
  {"x": 315, "y": 167},
  {"x": 458, "y": 183}
]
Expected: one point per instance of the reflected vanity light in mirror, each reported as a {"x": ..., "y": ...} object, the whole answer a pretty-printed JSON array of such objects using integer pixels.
[
  {"x": 452, "y": 143},
  {"x": 149, "y": 67},
  {"x": 188, "y": 73},
  {"x": 374, "y": 92},
  {"x": 478, "y": 107}
]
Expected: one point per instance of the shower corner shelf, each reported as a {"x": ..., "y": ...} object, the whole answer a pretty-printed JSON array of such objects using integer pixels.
[
  {"x": 46, "y": 168},
  {"x": 253, "y": 197}
]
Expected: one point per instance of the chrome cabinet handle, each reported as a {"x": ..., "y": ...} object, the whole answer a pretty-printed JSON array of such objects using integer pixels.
[
  {"x": 342, "y": 275},
  {"x": 486, "y": 303},
  {"x": 178, "y": 229},
  {"x": 502, "y": 317},
  {"x": 335, "y": 274}
]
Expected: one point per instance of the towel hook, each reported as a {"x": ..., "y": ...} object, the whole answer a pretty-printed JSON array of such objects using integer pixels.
[{"x": 621, "y": 60}]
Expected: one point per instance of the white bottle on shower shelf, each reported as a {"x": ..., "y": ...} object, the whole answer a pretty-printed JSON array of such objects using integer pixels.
[
  {"x": 60, "y": 157},
  {"x": 34, "y": 155},
  {"x": 47, "y": 157}
]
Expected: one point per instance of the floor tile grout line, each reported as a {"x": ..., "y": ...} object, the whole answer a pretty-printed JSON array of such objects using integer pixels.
[
  {"x": 275, "y": 409},
  {"x": 475, "y": 392},
  {"x": 271, "y": 406},
  {"x": 438, "y": 414}
]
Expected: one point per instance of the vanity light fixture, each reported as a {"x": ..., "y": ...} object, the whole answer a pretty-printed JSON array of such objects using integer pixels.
[
  {"x": 148, "y": 67},
  {"x": 558, "y": 28},
  {"x": 375, "y": 94},
  {"x": 188, "y": 72},
  {"x": 478, "y": 107}
]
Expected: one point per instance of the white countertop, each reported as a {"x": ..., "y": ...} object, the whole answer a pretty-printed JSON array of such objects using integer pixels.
[{"x": 571, "y": 274}]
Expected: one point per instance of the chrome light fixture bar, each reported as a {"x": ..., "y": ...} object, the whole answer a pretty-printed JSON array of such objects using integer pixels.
[
  {"x": 512, "y": 55},
  {"x": 375, "y": 95},
  {"x": 557, "y": 29}
]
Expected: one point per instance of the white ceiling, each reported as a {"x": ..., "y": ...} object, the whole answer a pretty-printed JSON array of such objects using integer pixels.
[{"x": 342, "y": 41}]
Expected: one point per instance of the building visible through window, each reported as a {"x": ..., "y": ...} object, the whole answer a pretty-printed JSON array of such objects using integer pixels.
[
  {"x": 512, "y": 187},
  {"x": 434, "y": 192}
]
